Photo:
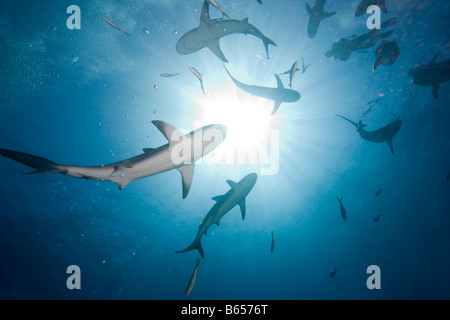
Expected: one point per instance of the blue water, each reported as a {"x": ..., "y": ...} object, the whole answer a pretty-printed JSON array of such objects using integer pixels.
[{"x": 88, "y": 96}]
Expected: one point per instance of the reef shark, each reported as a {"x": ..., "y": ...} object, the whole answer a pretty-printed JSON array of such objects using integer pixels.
[
  {"x": 433, "y": 74},
  {"x": 210, "y": 31},
  {"x": 384, "y": 134},
  {"x": 224, "y": 203},
  {"x": 180, "y": 153},
  {"x": 316, "y": 15},
  {"x": 278, "y": 95}
]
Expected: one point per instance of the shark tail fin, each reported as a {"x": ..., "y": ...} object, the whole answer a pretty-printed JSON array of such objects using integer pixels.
[
  {"x": 340, "y": 199},
  {"x": 196, "y": 245},
  {"x": 266, "y": 42},
  {"x": 41, "y": 165}
]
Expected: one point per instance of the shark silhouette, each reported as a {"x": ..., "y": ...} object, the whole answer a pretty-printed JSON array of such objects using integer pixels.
[
  {"x": 278, "y": 95},
  {"x": 210, "y": 31},
  {"x": 362, "y": 8},
  {"x": 384, "y": 134},
  {"x": 151, "y": 162},
  {"x": 316, "y": 15},
  {"x": 433, "y": 74},
  {"x": 224, "y": 203}
]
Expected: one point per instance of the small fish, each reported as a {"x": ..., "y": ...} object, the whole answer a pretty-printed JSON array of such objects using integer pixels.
[
  {"x": 199, "y": 77},
  {"x": 371, "y": 104},
  {"x": 304, "y": 67},
  {"x": 378, "y": 192},
  {"x": 272, "y": 245},
  {"x": 214, "y": 3},
  {"x": 192, "y": 279},
  {"x": 115, "y": 26},
  {"x": 333, "y": 273},
  {"x": 292, "y": 73},
  {"x": 168, "y": 75},
  {"x": 343, "y": 211},
  {"x": 377, "y": 218}
]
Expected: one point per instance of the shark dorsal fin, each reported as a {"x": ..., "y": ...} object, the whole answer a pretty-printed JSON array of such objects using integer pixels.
[
  {"x": 187, "y": 173},
  {"x": 214, "y": 46},
  {"x": 204, "y": 16},
  {"x": 170, "y": 132},
  {"x": 279, "y": 82},
  {"x": 218, "y": 198},
  {"x": 242, "y": 205}
]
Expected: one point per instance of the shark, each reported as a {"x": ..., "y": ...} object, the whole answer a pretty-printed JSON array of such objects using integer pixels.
[
  {"x": 209, "y": 32},
  {"x": 180, "y": 153},
  {"x": 224, "y": 203},
  {"x": 278, "y": 94},
  {"x": 316, "y": 15},
  {"x": 433, "y": 74},
  {"x": 362, "y": 8},
  {"x": 384, "y": 134}
]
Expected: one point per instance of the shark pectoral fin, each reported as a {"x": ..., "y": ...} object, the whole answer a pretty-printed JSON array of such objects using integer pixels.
[
  {"x": 435, "y": 90},
  {"x": 187, "y": 173},
  {"x": 169, "y": 131},
  {"x": 218, "y": 198},
  {"x": 204, "y": 15},
  {"x": 275, "y": 107},
  {"x": 122, "y": 183},
  {"x": 214, "y": 46},
  {"x": 233, "y": 184},
  {"x": 279, "y": 82},
  {"x": 391, "y": 146},
  {"x": 309, "y": 9},
  {"x": 328, "y": 14},
  {"x": 242, "y": 205}
]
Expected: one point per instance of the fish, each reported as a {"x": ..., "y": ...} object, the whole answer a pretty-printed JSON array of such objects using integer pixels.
[
  {"x": 316, "y": 15},
  {"x": 378, "y": 192},
  {"x": 224, "y": 203},
  {"x": 193, "y": 146},
  {"x": 272, "y": 245},
  {"x": 342, "y": 208},
  {"x": 384, "y": 134},
  {"x": 287, "y": 72},
  {"x": 333, "y": 273},
  {"x": 191, "y": 282},
  {"x": 433, "y": 74},
  {"x": 371, "y": 104},
  {"x": 278, "y": 95},
  {"x": 115, "y": 26},
  {"x": 304, "y": 67},
  {"x": 209, "y": 32},
  {"x": 168, "y": 75},
  {"x": 362, "y": 8},
  {"x": 387, "y": 53},
  {"x": 214, "y": 3},
  {"x": 292, "y": 73},
  {"x": 377, "y": 218},
  {"x": 199, "y": 77}
]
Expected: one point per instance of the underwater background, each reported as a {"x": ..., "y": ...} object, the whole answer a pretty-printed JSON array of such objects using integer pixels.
[{"x": 87, "y": 97}]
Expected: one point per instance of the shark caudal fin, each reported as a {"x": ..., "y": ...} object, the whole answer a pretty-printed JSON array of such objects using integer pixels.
[
  {"x": 340, "y": 199},
  {"x": 196, "y": 245},
  {"x": 266, "y": 42},
  {"x": 41, "y": 165}
]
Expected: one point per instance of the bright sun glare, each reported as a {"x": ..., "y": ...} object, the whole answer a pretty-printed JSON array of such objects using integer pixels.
[{"x": 246, "y": 117}]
